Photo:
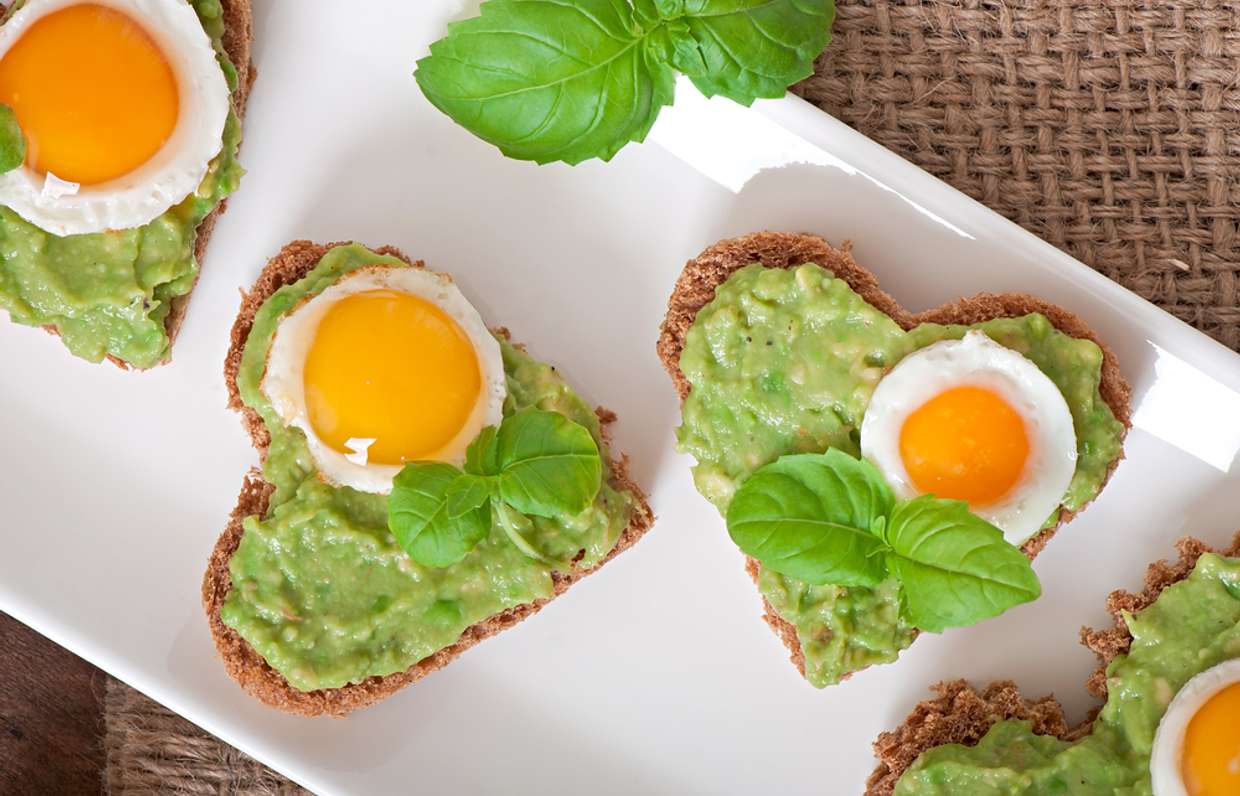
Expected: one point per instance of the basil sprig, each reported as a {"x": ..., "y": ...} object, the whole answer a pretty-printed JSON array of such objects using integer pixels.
[
  {"x": 548, "y": 80},
  {"x": 12, "y": 142},
  {"x": 831, "y": 519},
  {"x": 536, "y": 464}
]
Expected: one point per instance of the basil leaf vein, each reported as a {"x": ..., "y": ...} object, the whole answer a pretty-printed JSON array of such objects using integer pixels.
[
  {"x": 480, "y": 455},
  {"x": 466, "y": 493},
  {"x": 548, "y": 81},
  {"x": 809, "y": 516},
  {"x": 747, "y": 49},
  {"x": 536, "y": 463},
  {"x": 418, "y": 515},
  {"x": 551, "y": 80},
  {"x": 831, "y": 519},
  {"x": 548, "y": 465},
  {"x": 955, "y": 568}
]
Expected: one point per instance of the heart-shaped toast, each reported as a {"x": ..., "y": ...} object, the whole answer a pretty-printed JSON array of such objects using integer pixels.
[
  {"x": 961, "y": 715},
  {"x": 134, "y": 340},
  {"x": 325, "y": 519},
  {"x": 778, "y": 373}
]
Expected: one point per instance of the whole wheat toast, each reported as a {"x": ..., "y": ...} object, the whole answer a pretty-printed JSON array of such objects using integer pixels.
[
  {"x": 243, "y": 663},
  {"x": 695, "y": 288},
  {"x": 961, "y": 715},
  {"x": 238, "y": 41}
]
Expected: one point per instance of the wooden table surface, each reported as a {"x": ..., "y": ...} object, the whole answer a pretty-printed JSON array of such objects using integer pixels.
[{"x": 51, "y": 717}]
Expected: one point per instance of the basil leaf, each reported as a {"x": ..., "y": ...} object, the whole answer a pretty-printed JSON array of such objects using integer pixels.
[
  {"x": 418, "y": 516},
  {"x": 480, "y": 455},
  {"x": 548, "y": 80},
  {"x": 747, "y": 49},
  {"x": 12, "y": 141},
  {"x": 466, "y": 493},
  {"x": 809, "y": 516},
  {"x": 516, "y": 526},
  {"x": 955, "y": 568},
  {"x": 549, "y": 466}
]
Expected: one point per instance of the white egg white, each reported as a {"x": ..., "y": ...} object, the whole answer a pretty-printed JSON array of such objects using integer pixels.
[
  {"x": 1166, "y": 756},
  {"x": 978, "y": 361},
  {"x": 174, "y": 172},
  {"x": 284, "y": 380}
]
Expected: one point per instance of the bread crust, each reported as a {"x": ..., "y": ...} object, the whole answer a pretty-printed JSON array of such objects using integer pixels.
[
  {"x": 238, "y": 43},
  {"x": 696, "y": 286},
  {"x": 242, "y": 662},
  {"x": 962, "y": 715}
]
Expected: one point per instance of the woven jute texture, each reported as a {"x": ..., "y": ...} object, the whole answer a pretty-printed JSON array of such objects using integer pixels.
[
  {"x": 151, "y": 750},
  {"x": 1110, "y": 128}
]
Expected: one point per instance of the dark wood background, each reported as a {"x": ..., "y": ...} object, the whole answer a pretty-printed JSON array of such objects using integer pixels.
[{"x": 51, "y": 717}]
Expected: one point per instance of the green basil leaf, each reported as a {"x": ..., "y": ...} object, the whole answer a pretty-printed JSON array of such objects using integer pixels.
[
  {"x": 12, "y": 142},
  {"x": 747, "y": 49},
  {"x": 516, "y": 526},
  {"x": 809, "y": 516},
  {"x": 480, "y": 455},
  {"x": 548, "y": 80},
  {"x": 549, "y": 466},
  {"x": 418, "y": 516},
  {"x": 466, "y": 493},
  {"x": 955, "y": 568}
]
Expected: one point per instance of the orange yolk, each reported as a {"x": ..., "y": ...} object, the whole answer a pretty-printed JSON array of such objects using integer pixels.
[
  {"x": 93, "y": 93},
  {"x": 1211, "y": 761},
  {"x": 392, "y": 367},
  {"x": 967, "y": 443}
]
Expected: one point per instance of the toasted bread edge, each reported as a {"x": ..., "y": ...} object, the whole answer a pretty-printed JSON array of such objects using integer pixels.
[
  {"x": 242, "y": 662},
  {"x": 238, "y": 41},
  {"x": 696, "y": 285},
  {"x": 960, "y": 714}
]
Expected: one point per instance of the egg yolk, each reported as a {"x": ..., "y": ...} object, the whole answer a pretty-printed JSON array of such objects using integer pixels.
[
  {"x": 391, "y": 367},
  {"x": 1211, "y": 761},
  {"x": 93, "y": 94},
  {"x": 966, "y": 443}
]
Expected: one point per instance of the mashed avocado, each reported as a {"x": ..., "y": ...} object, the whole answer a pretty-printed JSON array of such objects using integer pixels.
[
  {"x": 322, "y": 590},
  {"x": 785, "y": 361},
  {"x": 109, "y": 293},
  {"x": 1192, "y": 626}
]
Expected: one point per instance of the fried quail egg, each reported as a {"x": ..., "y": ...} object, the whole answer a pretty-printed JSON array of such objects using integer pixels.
[
  {"x": 1197, "y": 746},
  {"x": 122, "y": 104},
  {"x": 386, "y": 366},
  {"x": 972, "y": 420}
]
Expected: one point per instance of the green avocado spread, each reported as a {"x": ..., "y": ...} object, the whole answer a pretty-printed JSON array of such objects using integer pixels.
[
  {"x": 320, "y": 587},
  {"x": 109, "y": 293},
  {"x": 1192, "y": 626},
  {"x": 785, "y": 361}
]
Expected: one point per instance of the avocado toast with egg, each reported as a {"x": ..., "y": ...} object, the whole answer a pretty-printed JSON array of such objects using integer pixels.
[
  {"x": 777, "y": 343},
  {"x": 122, "y": 125},
  {"x": 324, "y": 598},
  {"x": 1171, "y": 652}
]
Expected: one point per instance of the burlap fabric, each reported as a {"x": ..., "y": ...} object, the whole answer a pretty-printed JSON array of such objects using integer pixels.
[
  {"x": 150, "y": 750},
  {"x": 1108, "y": 127}
]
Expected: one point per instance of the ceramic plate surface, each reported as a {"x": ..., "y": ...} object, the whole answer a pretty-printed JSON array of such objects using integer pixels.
[{"x": 656, "y": 674}]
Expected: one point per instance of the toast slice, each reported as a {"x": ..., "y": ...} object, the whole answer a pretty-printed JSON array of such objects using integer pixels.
[
  {"x": 961, "y": 715},
  {"x": 695, "y": 288},
  {"x": 243, "y": 663},
  {"x": 238, "y": 42}
]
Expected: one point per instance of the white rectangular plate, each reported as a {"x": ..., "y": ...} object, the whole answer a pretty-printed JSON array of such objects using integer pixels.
[{"x": 656, "y": 674}]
